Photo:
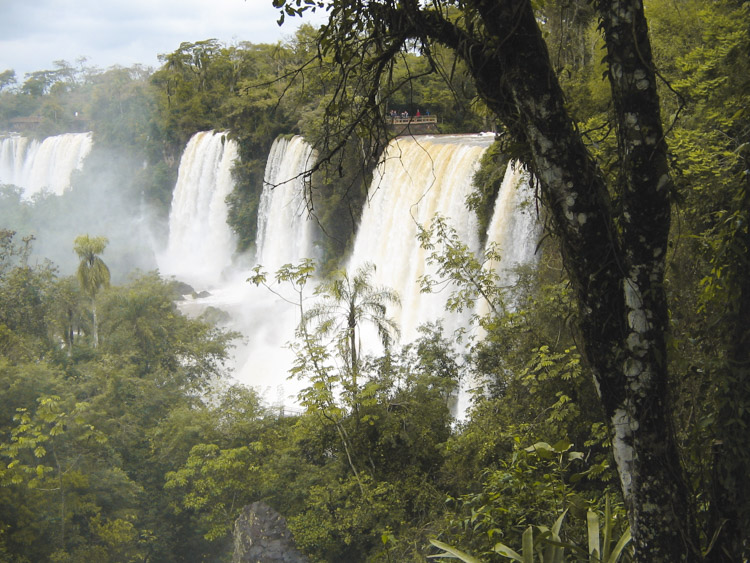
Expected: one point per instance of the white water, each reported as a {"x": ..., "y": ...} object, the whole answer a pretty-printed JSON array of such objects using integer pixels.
[
  {"x": 285, "y": 231},
  {"x": 45, "y": 166},
  {"x": 286, "y": 235},
  {"x": 260, "y": 359},
  {"x": 515, "y": 231},
  {"x": 514, "y": 227},
  {"x": 201, "y": 244},
  {"x": 418, "y": 178}
]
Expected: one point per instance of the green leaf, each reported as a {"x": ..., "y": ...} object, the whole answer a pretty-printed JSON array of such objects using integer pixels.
[
  {"x": 624, "y": 540},
  {"x": 562, "y": 446},
  {"x": 452, "y": 553},
  {"x": 592, "y": 522},
  {"x": 527, "y": 540},
  {"x": 554, "y": 553},
  {"x": 542, "y": 449},
  {"x": 505, "y": 551},
  {"x": 608, "y": 522}
]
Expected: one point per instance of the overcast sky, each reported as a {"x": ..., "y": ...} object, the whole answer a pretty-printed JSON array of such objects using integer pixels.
[{"x": 34, "y": 33}]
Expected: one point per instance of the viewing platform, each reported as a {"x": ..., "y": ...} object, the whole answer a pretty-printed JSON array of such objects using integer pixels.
[
  {"x": 25, "y": 124},
  {"x": 414, "y": 124},
  {"x": 413, "y": 119}
]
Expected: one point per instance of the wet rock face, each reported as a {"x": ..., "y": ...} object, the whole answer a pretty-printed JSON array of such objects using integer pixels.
[{"x": 261, "y": 536}]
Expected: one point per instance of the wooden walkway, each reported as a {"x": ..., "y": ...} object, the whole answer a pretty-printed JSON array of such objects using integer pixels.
[{"x": 413, "y": 119}]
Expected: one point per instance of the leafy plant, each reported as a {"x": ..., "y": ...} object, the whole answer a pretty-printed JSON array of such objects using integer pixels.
[{"x": 548, "y": 547}]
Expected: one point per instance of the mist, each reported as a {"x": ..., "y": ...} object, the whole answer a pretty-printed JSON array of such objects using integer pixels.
[{"x": 104, "y": 199}]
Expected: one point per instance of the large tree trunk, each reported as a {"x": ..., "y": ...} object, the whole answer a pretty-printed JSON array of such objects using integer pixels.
[
  {"x": 617, "y": 267},
  {"x": 662, "y": 496}
]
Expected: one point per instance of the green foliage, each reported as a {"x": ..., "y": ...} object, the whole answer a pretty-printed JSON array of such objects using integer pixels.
[
  {"x": 218, "y": 479},
  {"x": 472, "y": 279},
  {"x": 141, "y": 322},
  {"x": 368, "y": 448},
  {"x": 125, "y": 452},
  {"x": 58, "y": 457},
  {"x": 92, "y": 272},
  {"x": 345, "y": 305},
  {"x": 83, "y": 432},
  {"x": 710, "y": 265},
  {"x": 534, "y": 488},
  {"x": 450, "y": 552},
  {"x": 25, "y": 295},
  {"x": 548, "y": 547},
  {"x": 220, "y": 482},
  {"x": 38, "y": 434}
]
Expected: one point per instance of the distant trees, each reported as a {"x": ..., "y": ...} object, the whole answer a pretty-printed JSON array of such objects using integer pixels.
[
  {"x": 7, "y": 78},
  {"x": 87, "y": 435}
]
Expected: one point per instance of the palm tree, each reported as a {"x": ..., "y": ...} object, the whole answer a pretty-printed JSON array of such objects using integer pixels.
[
  {"x": 348, "y": 302},
  {"x": 92, "y": 273}
]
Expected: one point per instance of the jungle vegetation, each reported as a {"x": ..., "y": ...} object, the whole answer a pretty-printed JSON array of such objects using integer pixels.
[{"x": 123, "y": 439}]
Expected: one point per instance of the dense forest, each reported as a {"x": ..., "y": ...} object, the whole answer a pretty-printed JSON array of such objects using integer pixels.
[{"x": 123, "y": 437}]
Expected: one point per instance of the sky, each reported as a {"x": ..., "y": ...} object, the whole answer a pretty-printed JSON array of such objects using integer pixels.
[{"x": 35, "y": 33}]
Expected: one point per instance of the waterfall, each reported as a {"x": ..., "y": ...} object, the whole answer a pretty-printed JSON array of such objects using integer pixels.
[
  {"x": 200, "y": 251},
  {"x": 515, "y": 231},
  {"x": 417, "y": 178},
  {"x": 48, "y": 165},
  {"x": 514, "y": 227},
  {"x": 285, "y": 232},
  {"x": 201, "y": 244}
]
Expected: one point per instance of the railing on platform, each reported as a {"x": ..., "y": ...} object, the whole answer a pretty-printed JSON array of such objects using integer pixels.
[{"x": 413, "y": 119}]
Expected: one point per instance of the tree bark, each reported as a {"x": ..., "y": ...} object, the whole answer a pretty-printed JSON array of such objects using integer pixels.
[{"x": 662, "y": 496}]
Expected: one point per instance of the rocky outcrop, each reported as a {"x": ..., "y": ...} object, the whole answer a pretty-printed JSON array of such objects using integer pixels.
[{"x": 261, "y": 536}]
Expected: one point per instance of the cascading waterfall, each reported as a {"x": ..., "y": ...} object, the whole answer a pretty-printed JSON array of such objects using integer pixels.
[
  {"x": 285, "y": 232},
  {"x": 201, "y": 244},
  {"x": 285, "y": 235},
  {"x": 514, "y": 227},
  {"x": 515, "y": 231},
  {"x": 38, "y": 166},
  {"x": 200, "y": 251},
  {"x": 417, "y": 178}
]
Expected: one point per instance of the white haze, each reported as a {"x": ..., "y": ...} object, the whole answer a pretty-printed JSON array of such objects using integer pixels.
[{"x": 64, "y": 195}]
